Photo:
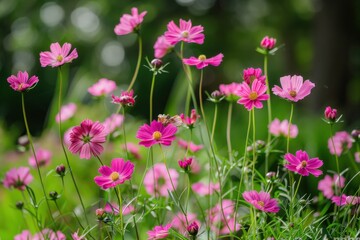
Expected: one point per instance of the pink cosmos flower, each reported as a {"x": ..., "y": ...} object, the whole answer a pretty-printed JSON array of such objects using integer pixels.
[
  {"x": 190, "y": 121},
  {"x": 18, "y": 178},
  {"x": 342, "y": 141},
  {"x": 357, "y": 157},
  {"x": 113, "y": 122},
  {"x": 125, "y": 99},
  {"x": 185, "y": 32},
  {"x": 159, "y": 232},
  {"x": 293, "y": 88},
  {"x": 231, "y": 91},
  {"x": 352, "y": 200},
  {"x": 162, "y": 47},
  {"x": 252, "y": 97},
  {"x": 58, "y": 55},
  {"x": 48, "y": 234},
  {"x": 222, "y": 218},
  {"x": 192, "y": 146},
  {"x": 339, "y": 200},
  {"x": 250, "y": 74},
  {"x": 103, "y": 87},
  {"x": 129, "y": 23},
  {"x": 118, "y": 173},
  {"x": 22, "y": 82},
  {"x": 201, "y": 61},
  {"x": 162, "y": 184},
  {"x": 268, "y": 43},
  {"x": 114, "y": 208},
  {"x": 205, "y": 189},
  {"x": 133, "y": 149},
  {"x": 262, "y": 201},
  {"x": 327, "y": 185},
  {"x": 87, "y": 138},
  {"x": 278, "y": 128},
  {"x": 67, "y": 112},
  {"x": 179, "y": 221},
  {"x": 302, "y": 165},
  {"x": 24, "y": 235},
  {"x": 185, "y": 164},
  {"x": 156, "y": 133},
  {"x": 67, "y": 138},
  {"x": 330, "y": 113},
  {"x": 43, "y": 157}
]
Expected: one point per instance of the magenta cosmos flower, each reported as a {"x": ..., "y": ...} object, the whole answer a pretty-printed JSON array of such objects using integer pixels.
[
  {"x": 125, "y": 99},
  {"x": 268, "y": 42},
  {"x": 67, "y": 111},
  {"x": 250, "y": 74},
  {"x": 162, "y": 47},
  {"x": 22, "y": 82},
  {"x": 252, "y": 97},
  {"x": 302, "y": 164},
  {"x": 43, "y": 157},
  {"x": 327, "y": 185},
  {"x": 129, "y": 23},
  {"x": 87, "y": 138},
  {"x": 118, "y": 173},
  {"x": 278, "y": 128},
  {"x": 159, "y": 232},
  {"x": 18, "y": 178},
  {"x": 262, "y": 201},
  {"x": 185, "y": 32},
  {"x": 201, "y": 61},
  {"x": 156, "y": 133},
  {"x": 293, "y": 88},
  {"x": 58, "y": 55},
  {"x": 103, "y": 87},
  {"x": 342, "y": 141},
  {"x": 157, "y": 180}
]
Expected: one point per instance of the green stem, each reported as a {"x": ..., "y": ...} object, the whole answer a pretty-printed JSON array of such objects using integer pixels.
[
  {"x": 228, "y": 132},
  {"x": 187, "y": 195},
  {"x": 335, "y": 153},
  {"x": 151, "y": 96},
  {"x": 137, "y": 64},
  {"x": 124, "y": 133},
  {"x": 118, "y": 195},
  {"x": 214, "y": 122},
  {"x": 288, "y": 135},
  {"x": 254, "y": 149},
  {"x": 267, "y": 152},
  {"x": 293, "y": 199}
]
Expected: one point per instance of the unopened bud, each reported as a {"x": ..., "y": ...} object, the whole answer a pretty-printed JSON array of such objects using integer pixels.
[
  {"x": 355, "y": 134},
  {"x": 60, "y": 170},
  {"x": 23, "y": 140},
  {"x": 193, "y": 229},
  {"x": 19, "y": 205},
  {"x": 271, "y": 175},
  {"x": 53, "y": 195},
  {"x": 100, "y": 213},
  {"x": 156, "y": 63},
  {"x": 330, "y": 113}
]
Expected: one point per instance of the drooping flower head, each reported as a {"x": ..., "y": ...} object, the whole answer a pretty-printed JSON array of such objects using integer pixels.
[
  {"x": 278, "y": 128},
  {"x": 162, "y": 184},
  {"x": 231, "y": 91},
  {"x": 302, "y": 164},
  {"x": 126, "y": 99},
  {"x": 87, "y": 139},
  {"x": 342, "y": 141},
  {"x": 58, "y": 55},
  {"x": 113, "y": 122},
  {"x": 159, "y": 232},
  {"x": 67, "y": 112},
  {"x": 129, "y": 23},
  {"x": 205, "y": 189},
  {"x": 327, "y": 185},
  {"x": 18, "y": 178},
  {"x": 162, "y": 47},
  {"x": 156, "y": 133},
  {"x": 250, "y": 74},
  {"x": 43, "y": 157},
  {"x": 102, "y": 87},
  {"x": 293, "y": 88},
  {"x": 190, "y": 121},
  {"x": 252, "y": 96},
  {"x": 201, "y": 61},
  {"x": 116, "y": 174},
  {"x": 330, "y": 114},
  {"x": 179, "y": 221},
  {"x": 268, "y": 42},
  {"x": 185, "y": 32},
  {"x": 22, "y": 82},
  {"x": 262, "y": 201}
]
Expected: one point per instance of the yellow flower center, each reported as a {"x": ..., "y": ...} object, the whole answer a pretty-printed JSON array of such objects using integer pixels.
[
  {"x": 157, "y": 135},
  {"x": 303, "y": 164},
  {"x": 253, "y": 96},
  {"x": 261, "y": 203},
  {"x": 293, "y": 93},
  {"x": 185, "y": 34},
  {"x": 114, "y": 176},
  {"x": 59, "y": 58},
  {"x": 202, "y": 57}
]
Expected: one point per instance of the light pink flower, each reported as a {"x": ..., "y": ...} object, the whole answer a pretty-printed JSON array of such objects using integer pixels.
[
  {"x": 67, "y": 138},
  {"x": 159, "y": 232},
  {"x": 103, "y": 87},
  {"x": 339, "y": 200},
  {"x": 327, "y": 185},
  {"x": 231, "y": 91},
  {"x": 24, "y": 235},
  {"x": 133, "y": 149},
  {"x": 222, "y": 218},
  {"x": 278, "y": 128},
  {"x": 156, "y": 133},
  {"x": 342, "y": 141},
  {"x": 157, "y": 180},
  {"x": 252, "y": 97},
  {"x": 48, "y": 234},
  {"x": 162, "y": 47},
  {"x": 293, "y": 88},
  {"x": 250, "y": 74},
  {"x": 87, "y": 139},
  {"x": 201, "y": 61},
  {"x": 75, "y": 236},
  {"x": 330, "y": 113},
  {"x": 268, "y": 43},
  {"x": 352, "y": 200},
  {"x": 118, "y": 173},
  {"x": 192, "y": 146},
  {"x": 190, "y": 121},
  {"x": 357, "y": 157},
  {"x": 58, "y": 55},
  {"x": 22, "y": 82},
  {"x": 125, "y": 99},
  {"x": 205, "y": 189},
  {"x": 67, "y": 112},
  {"x": 43, "y": 157},
  {"x": 114, "y": 208},
  {"x": 113, "y": 122},
  {"x": 129, "y": 23},
  {"x": 185, "y": 32},
  {"x": 18, "y": 178},
  {"x": 302, "y": 165},
  {"x": 262, "y": 201},
  {"x": 179, "y": 221}
]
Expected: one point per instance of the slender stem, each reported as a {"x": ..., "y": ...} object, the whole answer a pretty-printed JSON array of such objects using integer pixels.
[
  {"x": 124, "y": 133},
  {"x": 214, "y": 122},
  {"x": 254, "y": 149},
  {"x": 288, "y": 135},
  {"x": 101, "y": 162},
  {"x": 188, "y": 194},
  {"x": 151, "y": 96},
  {"x": 137, "y": 64},
  {"x": 267, "y": 152},
  {"x": 34, "y": 153},
  {"x": 335, "y": 153},
  {"x": 228, "y": 132},
  {"x": 293, "y": 199},
  {"x": 63, "y": 146},
  {"x": 118, "y": 195}
]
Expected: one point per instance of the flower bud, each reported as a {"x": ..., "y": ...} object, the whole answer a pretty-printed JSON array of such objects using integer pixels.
[
  {"x": 100, "y": 213},
  {"x": 271, "y": 175},
  {"x": 185, "y": 164},
  {"x": 156, "y": 63},
  {"x": 53, "y": 195},
  {"x": 19, "y": 205},
  {"x": 193, "y": 229},
  {"x": 355, "y": 134},
  {"x": 268, "y": 43},
  {"x": 330, "y": 113},
  {"x": 23, "y": 140},
  {"x": 60, "y": 170}
]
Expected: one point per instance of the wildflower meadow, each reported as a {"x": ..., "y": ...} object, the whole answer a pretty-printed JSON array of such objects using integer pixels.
[{"x": 238, "y": 160}]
